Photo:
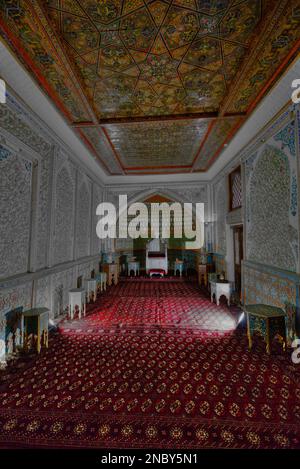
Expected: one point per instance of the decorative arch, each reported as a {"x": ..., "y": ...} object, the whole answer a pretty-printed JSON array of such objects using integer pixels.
[{"x": 168, "y": 193}]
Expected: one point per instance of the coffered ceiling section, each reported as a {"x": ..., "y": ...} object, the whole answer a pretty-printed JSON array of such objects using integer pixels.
[
  {"x": 154, "y": 86},
  {"x": 165, "y": 145}
]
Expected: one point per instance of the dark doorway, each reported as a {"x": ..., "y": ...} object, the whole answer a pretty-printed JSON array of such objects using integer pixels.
[
  {"x": 238, "y": 257},
  {"x": 79, "y": 281}
]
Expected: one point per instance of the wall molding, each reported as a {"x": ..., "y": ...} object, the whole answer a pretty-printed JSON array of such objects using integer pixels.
[
  {"x": 286, "y": 274},
  {"x": 19, "y": 279}
]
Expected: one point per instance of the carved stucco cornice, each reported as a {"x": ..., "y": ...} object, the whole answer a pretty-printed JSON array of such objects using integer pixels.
[
  {"x": 16, "y": 146},
  {"x": 192, "y": 192}
]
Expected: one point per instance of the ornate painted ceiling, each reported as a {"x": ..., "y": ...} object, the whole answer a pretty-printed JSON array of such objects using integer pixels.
[{"x": 154, "y": 86}]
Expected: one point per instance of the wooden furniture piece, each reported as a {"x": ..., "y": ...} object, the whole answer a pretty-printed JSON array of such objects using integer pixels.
[
  {"x": 202, "y": 274},
  {"x": 135, "y": 266},
  {"x": 35, "y": 328},
  {"x": 219, "y": 288},
  {"x": 178, "y": 267},
  {"x": 101, "y": 279},
  {"x": 77, "y": 302},
  {"x": 112, "y": 271},
  {"x": 290, "y": 311},
  {"x": 91, "y": 290},
  {"x": 268, "y": 321}
]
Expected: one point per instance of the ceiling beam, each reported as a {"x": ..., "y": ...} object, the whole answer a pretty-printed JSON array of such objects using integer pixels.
[{"x": 172, "y": 117}]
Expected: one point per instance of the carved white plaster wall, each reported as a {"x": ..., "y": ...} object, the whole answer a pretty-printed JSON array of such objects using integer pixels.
[
  {"x": 15, "y": 124},
  {"x": 15, "y": 212},
  {"x": 61, "y": 283},
  {"x": 63, "y": 224},
  {"x": 271, "y": 211},
  {"x": 83, "y": 217},
  {"x": 21, "y": 134},
  {"x": 43, "y": 292},
  {"x": 97, "y": 199}
]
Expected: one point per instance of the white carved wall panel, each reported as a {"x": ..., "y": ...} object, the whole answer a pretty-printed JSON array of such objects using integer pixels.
[
  {"x": 83, "y": 217},
  {"x": 63, "y": 229},
  {"x": 15, "y": 210}
]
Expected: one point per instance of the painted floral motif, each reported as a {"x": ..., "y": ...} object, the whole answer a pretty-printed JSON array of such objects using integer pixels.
[
  {"x": 264, "y": 286},
  {"x": 4, "y": 153},
  {"x": 287, "y": 137},
  {"x": 159, "y": 69}
]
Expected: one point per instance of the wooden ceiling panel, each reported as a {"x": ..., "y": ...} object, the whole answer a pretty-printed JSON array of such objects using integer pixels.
[{"x": 161, "y": 67}]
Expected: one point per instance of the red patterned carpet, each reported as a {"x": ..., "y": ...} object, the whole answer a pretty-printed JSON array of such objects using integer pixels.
[{"x": 154, "y": 365}]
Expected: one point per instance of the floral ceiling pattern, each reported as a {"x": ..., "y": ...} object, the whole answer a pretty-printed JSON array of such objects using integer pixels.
[{"x": 113, "y": 65}]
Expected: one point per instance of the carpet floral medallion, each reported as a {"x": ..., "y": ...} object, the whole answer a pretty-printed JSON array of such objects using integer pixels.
[{"x": 153, "y": 365}]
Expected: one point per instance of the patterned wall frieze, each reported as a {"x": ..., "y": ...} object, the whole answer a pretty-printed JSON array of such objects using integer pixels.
[
  {"x": 189, "y": 192},
  {"x": 260, "y": 267},
  {"x": 19, "y": 128},
  {"x": 264, "y": 284},
  {"x": 27, "y": 116}
]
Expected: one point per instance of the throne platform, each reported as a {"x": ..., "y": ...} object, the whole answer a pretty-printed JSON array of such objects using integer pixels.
[{"x": 157, "y": 257}]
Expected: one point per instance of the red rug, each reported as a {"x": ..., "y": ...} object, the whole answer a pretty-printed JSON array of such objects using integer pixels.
[{"x": 149, "y": 382}]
